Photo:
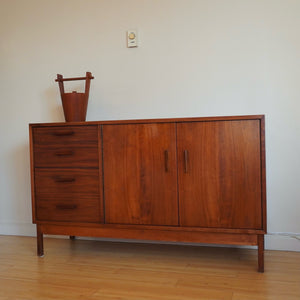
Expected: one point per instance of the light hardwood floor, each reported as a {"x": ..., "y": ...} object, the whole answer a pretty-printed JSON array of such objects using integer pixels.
[{"x": 89, "y": 270}]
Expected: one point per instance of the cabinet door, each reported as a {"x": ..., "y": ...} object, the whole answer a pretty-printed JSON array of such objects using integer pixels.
[
  {"x": 140, "y": 174},
  {"x": 220, "y": 174}
]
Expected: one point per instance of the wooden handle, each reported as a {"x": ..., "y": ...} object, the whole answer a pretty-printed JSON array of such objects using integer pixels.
[
  {"x": 186, "y": 157},
  {"x": 87, "y": 79},
  {"x": 166, "y": 160},
  {"x": 63, "y": 133},
  {"x": 66, "y": 179},
  {"x": 64, "y": 153},
  {"x": 60, "y": 78},
  {"x": 66, "y": 206},
  {"x": 60, "y": 84},
  {"x": 87, "y": 84}
]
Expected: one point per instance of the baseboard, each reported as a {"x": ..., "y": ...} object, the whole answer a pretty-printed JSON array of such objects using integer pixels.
[
  {"x": 284, "y": 241},
  {"x": 22, "y": 229}
]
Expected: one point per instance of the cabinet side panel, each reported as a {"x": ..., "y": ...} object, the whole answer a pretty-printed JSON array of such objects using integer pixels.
[
  {"x": 263, "y": 173},
  {"x": 101, "y": 196},
  {"x": 31, "y": 145}
]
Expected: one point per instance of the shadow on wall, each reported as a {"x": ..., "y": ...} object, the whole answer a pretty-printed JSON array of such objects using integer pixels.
[
  {"x": 19, "y": 205},
  {"x": 53, "y": 105}
]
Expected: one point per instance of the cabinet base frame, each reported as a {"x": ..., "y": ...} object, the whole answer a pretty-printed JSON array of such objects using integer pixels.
[{"x": 155, "y": 235}]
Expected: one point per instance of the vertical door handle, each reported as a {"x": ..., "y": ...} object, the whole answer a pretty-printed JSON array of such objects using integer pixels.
[
  {"x": 166, "y": 160},
  {"x": 186, "y": 158}
]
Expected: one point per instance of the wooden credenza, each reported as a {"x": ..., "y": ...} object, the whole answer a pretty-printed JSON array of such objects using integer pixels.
[{"x": 196, "y": 180}]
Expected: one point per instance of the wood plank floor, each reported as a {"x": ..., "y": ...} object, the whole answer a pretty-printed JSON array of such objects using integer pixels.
[{"x": 89, "y": 270}]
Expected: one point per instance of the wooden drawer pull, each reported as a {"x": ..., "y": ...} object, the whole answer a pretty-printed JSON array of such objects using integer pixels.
[
  {"x": 70, "y": 179},
  {"x": 63, "y": 133},
  {"x": 66, "y": 206},
  {"x": 64, "y": 153}
]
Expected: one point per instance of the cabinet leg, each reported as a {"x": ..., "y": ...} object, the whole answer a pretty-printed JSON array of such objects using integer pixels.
[
  {"x": 261, "y": 249},
  {"x": 40, "y": 241},
  {"x": 72, "y": 237}
]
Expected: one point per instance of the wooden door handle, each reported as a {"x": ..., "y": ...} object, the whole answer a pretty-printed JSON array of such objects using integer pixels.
[
  {"x": 166, "y": 160},
  {"x": 186, "y": 158}
]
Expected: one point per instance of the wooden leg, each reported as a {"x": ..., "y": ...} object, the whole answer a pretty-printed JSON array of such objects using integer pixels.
[
  {"x": 72, "y": 237},
  {"x": 40, "y": 241},
  {"x": 261, "y": 249}
]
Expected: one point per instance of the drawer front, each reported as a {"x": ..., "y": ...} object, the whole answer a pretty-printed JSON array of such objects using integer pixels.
[
  {"x": 83, "y": 210},
  {"x": 66, "y": 156},
  {"x": 58, "y": 183},
  {"x": 65, "y": 135}
]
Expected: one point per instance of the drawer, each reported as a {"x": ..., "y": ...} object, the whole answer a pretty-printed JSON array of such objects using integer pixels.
[
  {"x": 57, "y": 183},
  {"x": 65, "y": 135},
  {"x": 66, "y": 156},
  {"x": 84, "y": 210}
]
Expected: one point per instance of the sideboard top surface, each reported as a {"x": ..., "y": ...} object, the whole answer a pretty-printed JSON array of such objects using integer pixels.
[{"x": 163, "y": 120}]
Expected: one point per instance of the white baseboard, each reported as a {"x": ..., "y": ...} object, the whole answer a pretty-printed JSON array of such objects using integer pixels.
[
  {"x": 23, "y": 229},
  {"x": 284, "y": 241}
]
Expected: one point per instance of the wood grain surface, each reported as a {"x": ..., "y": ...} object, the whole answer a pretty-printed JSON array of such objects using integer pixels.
[
  {"x": 93, "y": 270},
  {"x": 140, "y": 174},
  {"x": 220, "y": 174}
]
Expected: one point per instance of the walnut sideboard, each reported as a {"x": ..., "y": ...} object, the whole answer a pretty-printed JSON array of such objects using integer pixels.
[{"x": 196, "y": 180}]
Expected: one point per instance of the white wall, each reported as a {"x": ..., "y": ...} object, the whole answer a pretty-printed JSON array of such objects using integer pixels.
[{"x": 196, "y": 58}]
